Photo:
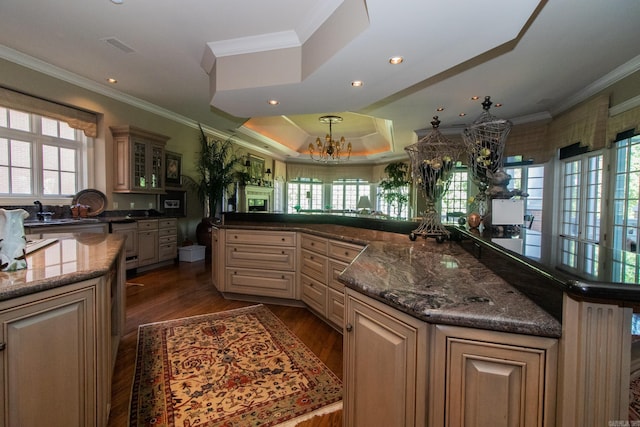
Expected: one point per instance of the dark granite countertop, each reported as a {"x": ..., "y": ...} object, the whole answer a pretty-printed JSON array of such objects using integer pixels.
[{"x": 437, "y": 283}]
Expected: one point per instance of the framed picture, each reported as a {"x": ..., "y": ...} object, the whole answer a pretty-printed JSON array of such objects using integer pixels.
[
  {"x": 173, "y": 203},
  {"x": 173, "y": 171},
  {"x": 257, "y": 167}
]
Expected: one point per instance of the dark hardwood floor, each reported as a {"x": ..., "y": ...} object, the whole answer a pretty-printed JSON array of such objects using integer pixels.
[{"x": 183, "y": 290}]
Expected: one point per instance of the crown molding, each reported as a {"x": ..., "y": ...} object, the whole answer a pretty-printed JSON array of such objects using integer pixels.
[
  {"x": 602, "y": 83},
  {"x": 625, "y": 106}
]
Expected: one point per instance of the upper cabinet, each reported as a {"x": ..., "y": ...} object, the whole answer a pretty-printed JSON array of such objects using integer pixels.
[{"x": 139, "y": 160}]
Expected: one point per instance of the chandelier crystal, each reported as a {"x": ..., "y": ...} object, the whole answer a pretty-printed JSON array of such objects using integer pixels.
[{"x": 329, "y": 150}]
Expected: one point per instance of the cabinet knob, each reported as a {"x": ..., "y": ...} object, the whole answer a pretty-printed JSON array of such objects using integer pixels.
[
  {"x": 282, "y": 252},
  {"x": 349, "y": 327},
  {"x": 282, "y": 239},
  {"x": 346, "y": 253},
  {"x": 235, "y": 249}
]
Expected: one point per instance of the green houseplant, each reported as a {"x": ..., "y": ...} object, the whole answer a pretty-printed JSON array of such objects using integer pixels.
[
  {"x": 391, "y": 186},
  {"x": 216, "y": 169}
]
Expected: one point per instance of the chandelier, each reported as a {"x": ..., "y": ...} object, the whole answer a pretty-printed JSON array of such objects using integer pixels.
[{"x": 330, "y": 150}]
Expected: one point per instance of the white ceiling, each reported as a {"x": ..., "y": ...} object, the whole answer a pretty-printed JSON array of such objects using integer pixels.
[{"x": 217, "y": 62}]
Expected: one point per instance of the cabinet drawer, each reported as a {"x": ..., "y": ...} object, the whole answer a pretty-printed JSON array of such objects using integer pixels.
[
  {"x": 267, "y": 257},
  {"x": 343, "y": 251},
  {"x": 314, "y": 243},
  {"x": 335, "y": 268},
  {"x": 267, "y": 238},
  {"x": 167, "y": 251},
  {"x": 167, "y": 232},
  {"x": 163, "y": 240},
  {"x": 147, "y": 224},
  {"x": 167, "y": 223},
  {"x": 335, "y": 307},
  {"x": 313, "y": 293},
  {"x": 260, "y": 282},
  {"x": 314, "y": 265}
]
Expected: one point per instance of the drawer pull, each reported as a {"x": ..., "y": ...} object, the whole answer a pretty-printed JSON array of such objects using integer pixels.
[
  {"x": 235, "y": 236},
  {"x": 282, "y": 252},
  {"x": 282, "y": 276},
  {"x": 235, "y": 249},
  {"x": 282, "y": 239},
  {"x": 349, "y": 327},
  {"x": 346, "y": 253},
  {"x": 312, "y": 244}
]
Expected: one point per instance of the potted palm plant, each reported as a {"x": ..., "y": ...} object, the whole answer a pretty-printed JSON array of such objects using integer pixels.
[{"x": 216, "y": 168}]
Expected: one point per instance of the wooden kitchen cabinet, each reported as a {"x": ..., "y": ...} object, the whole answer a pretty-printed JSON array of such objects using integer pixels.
[
  {"x": 259, "y": 263},
  {"x": 130, "y": 231},
  {"x": 483, "y": 378},
  {"x": 385, "y": 365},
  {"x": 54, "y": 361},
  {"x": 139, "y": 160},
  {"x": 167, "y": 239},
  {"x": 147, "y": 242}
]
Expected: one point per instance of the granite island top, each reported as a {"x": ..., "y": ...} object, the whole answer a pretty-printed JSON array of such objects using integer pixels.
[
  {"x": 435, "y": 282},
  {"x": 67, "y": 258}
]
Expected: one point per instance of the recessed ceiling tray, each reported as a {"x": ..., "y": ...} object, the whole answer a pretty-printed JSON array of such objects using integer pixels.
[{"x": 95, "y": 199}]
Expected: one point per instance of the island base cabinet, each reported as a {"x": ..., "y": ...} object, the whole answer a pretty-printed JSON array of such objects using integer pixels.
[
  {"x": 484, "y": 378},
  {"x": 49, "y": 366},
  {"x": 385, "y": 376}
]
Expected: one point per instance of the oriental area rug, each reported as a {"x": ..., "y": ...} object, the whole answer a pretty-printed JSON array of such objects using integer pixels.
[{"x": 241, "y": 367}]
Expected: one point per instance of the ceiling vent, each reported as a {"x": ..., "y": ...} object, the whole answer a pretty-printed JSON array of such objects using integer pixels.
[{"x": 118, "y": 44}]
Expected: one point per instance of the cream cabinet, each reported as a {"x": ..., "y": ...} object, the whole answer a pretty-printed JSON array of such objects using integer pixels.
[
  {"x": 139, "y": 160},
  {"x": 321, "y": 262},
  {"x": 260, "y": 263},
  {"x": 483, "y": 378},
  {"x": 130, "y": 231},
  {"x": 147, "y": 242},
  {"x": 385, "y": 365},
  {"x": 55, "y": 364},
  {"x": 314, "y": 271},
  {"x": 167, "y": 239}
]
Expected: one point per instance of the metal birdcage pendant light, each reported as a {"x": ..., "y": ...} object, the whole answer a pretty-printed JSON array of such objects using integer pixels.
[{"x": 329, "y": 150}]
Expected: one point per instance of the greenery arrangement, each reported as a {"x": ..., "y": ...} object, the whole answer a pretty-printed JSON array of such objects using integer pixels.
[
  {"x": 216, "y": 167},
  {"x": 397, "y": 177}
]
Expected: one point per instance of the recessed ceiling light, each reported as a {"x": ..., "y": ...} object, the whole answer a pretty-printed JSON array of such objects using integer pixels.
[
  {"x": 440, "y": 109},
  {"x": 112, "y": 80},
  {"x": 475, "y": 98},
  {"x": 498, "y": 105},
  {"x": 357, "y": 83},
  {"x": 273, "y": 102},
  {"x": 462, "y": 114},
  {"x": 395, "y": 60},
  {"x": 117, "y": 1}
]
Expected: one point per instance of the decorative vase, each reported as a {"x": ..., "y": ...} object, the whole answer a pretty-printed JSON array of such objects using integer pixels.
[{"x": 474, "y": 219}]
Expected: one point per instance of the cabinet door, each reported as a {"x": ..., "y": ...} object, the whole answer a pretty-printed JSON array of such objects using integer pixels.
[
  {"x": 496, "y": 379},
  {"x": 385, "y": 363},
  {"x": 139, "y": 166},
  {"x": 48, "y": 364},
  {"x": 147, "y": 247}
]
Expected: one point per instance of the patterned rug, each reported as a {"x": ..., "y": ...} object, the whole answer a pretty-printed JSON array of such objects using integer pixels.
[{"x": 240, "y": 367}]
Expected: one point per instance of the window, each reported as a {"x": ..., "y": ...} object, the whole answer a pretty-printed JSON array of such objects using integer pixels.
[
  {"x": 304, "y": 194},
  {"x": 529, "y": 179},
  {"x": 394, "y": 207},
  {"x": 626, "y": 195},
  {"x": 580, "y": 213},
  {"x": 346, "y": 193},
  {"x": 456, "y": 199},
  {"x": 39, "y": 156}
]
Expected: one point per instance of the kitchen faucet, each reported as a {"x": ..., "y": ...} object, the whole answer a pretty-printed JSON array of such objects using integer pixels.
[{"x": 39, "y": 213}]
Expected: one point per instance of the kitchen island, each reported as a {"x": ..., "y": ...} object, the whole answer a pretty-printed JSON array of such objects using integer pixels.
[
  {"x": 62, "y": 318},
  {"x": 450, "y": 339}
]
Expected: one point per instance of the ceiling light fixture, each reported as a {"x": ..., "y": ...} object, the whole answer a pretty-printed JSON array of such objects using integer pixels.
[
  {"x": 273, "y": 102},
  {"x": 440, "y": 109},
  {"x": 357, "y": 83},
  {"x": 475, "y": 98},
  {"x": 395, "y": 60},
  {"x": 330, "y": 150},
  {"x": 112, "y": 80}
]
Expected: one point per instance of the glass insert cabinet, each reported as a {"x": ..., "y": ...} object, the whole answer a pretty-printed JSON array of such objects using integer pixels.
[{"x": 139, "y": 157}]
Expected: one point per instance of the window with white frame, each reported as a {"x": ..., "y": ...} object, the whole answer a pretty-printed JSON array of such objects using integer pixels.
[
  {"x": 456, "y": 199},
  {"x": 529, "y": 179},
  {"x": 304, "y": 194},
  {"x": 580, "y": 212},
  {"x": 39, "y": 156},
  {"x": 390, "y": 206},
  {"x": 345, "y": 193},
  {"x": 626, "y": 196}
]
